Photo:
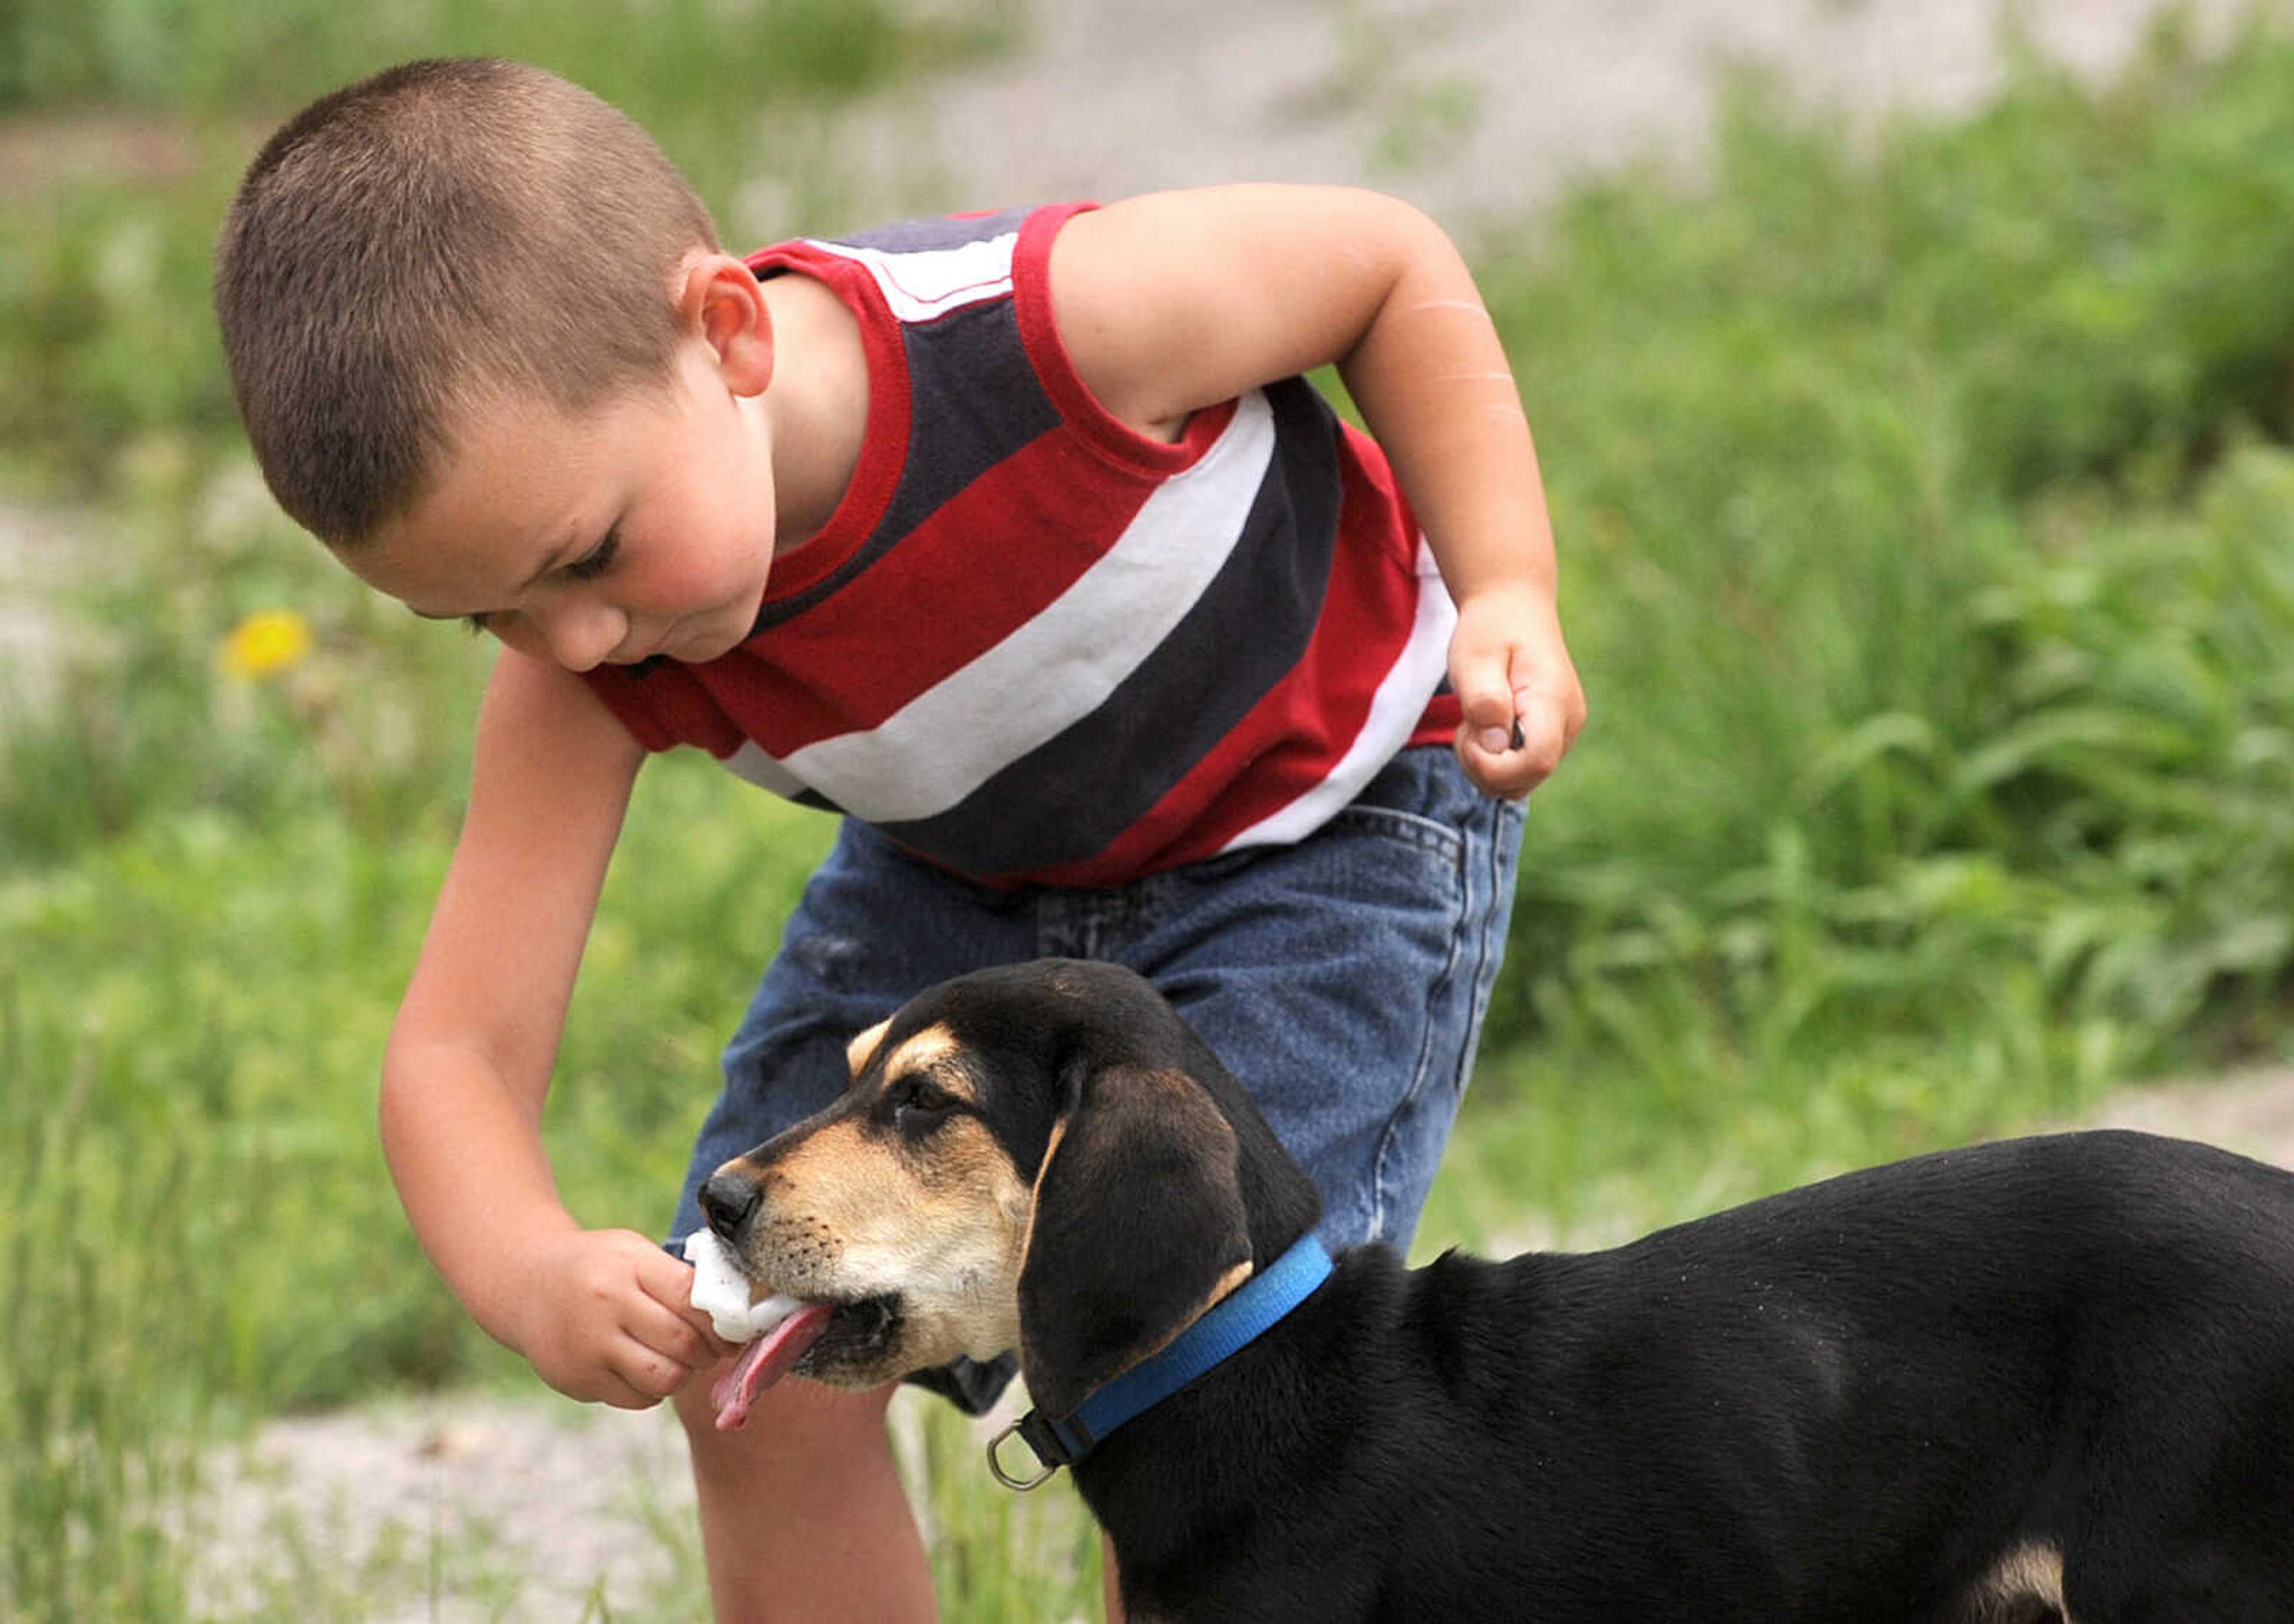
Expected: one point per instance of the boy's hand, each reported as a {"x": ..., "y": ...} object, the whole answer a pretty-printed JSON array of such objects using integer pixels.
[
  {"x": 608, "y": 1317},
  {"x": 1513, "y": 676}
]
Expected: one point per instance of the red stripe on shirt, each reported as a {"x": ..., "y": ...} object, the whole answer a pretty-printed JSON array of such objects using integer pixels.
[
  {"x": 1286, "y": 744},
  {"x": 813, "y": 688}
]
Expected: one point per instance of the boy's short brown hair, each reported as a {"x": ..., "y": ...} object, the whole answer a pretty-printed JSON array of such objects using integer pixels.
[{"x": 446, "y": 236}]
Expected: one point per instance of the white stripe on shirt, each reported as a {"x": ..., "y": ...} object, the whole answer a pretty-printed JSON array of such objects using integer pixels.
[
  {"x": 1064, "y": 662},
  {"x": 1394, "y": 710},
  {"x": 924, "y": 283}
]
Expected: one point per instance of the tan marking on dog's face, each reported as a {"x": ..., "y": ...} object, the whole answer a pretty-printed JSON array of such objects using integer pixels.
[
  {"x": 859, "y": 1052},
  {"x": 900, "y": 1193},
  {"x": 930, "y": 1053},
  {"x": 1035, "y": 1188}
]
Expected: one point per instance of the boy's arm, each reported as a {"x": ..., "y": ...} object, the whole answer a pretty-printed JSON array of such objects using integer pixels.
[
  {"x": 1173, "y": 302},
  {"x": 600, "y": 1314}
]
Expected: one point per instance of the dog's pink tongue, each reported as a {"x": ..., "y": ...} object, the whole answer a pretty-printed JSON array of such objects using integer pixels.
[{"x": 765, "y": 1362}]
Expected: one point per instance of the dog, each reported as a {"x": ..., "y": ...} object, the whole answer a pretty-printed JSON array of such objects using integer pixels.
[{"x": 2052, "y": 1377}]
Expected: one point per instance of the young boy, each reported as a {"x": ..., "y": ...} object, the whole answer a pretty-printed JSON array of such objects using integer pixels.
[{"x": 1018, "y": 540}]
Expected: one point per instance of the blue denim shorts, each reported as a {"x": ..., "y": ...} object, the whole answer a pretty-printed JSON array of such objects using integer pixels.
[{"x": 1343, "y": 980}]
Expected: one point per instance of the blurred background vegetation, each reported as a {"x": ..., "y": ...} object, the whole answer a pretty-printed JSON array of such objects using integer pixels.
[{"x": 1928, "y": 522}]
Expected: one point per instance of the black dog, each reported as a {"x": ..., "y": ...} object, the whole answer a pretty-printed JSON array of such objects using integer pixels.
[{"x": 2049, "y": 1376}]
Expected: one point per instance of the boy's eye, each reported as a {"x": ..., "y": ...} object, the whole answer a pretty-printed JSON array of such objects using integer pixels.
[
  {"x": 598, "y": 559},
  {"x": 475, "y": 623}
]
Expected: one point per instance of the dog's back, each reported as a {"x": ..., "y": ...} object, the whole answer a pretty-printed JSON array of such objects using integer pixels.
[{"x": 1922, "y": 1390}]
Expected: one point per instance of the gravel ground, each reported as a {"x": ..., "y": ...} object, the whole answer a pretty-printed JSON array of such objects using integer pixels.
[
  {"x": 1472, "y": 107},
  {"x": 37, "y": 554},
  {"x": 1467, "y": 107}
]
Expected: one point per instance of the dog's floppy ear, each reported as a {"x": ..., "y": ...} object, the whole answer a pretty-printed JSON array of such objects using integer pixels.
[{"x": 1139, "y": 1227}]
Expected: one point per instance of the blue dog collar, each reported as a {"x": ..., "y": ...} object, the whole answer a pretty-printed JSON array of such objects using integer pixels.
[{"x": 1236, "y": 1321}]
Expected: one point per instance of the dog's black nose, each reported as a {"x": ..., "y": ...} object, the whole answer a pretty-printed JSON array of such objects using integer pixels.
[{"x": 729, "y": 1200}]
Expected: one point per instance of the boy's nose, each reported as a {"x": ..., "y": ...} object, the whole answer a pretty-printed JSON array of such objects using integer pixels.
[{"x": 581, "y": 636}]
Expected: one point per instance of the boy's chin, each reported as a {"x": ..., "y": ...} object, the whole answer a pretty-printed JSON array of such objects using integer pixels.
[
  {"x": 700, "y": 651},
  {"x": 703, "y": 644},
  {"x": 719, "y": 637}
]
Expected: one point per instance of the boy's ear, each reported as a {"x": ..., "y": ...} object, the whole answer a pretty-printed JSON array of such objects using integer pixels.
[{"x": 720, "y": 298}]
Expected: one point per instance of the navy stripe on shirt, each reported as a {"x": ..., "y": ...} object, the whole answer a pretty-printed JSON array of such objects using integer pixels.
[{"x": 1070, "y": 797}]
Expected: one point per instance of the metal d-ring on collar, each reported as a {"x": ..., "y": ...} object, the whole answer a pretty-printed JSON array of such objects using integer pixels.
[{"x": 1237, "y": 1320}]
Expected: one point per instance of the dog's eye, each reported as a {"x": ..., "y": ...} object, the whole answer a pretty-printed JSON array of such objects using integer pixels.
[{"x": 918, "y": 1102}]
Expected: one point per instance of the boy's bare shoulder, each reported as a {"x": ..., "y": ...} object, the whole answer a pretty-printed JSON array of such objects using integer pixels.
[{"x": 1170, "y": 301}]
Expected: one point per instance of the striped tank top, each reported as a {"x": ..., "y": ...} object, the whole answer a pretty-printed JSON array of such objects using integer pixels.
[{"x": 1033, "y": 645}]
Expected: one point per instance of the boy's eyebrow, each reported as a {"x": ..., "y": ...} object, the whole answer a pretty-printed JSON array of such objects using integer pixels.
[{"x": 558, "y": 558}]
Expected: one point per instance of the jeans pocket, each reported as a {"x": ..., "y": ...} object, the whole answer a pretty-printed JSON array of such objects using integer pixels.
[{"x": 1442, "y": 842}]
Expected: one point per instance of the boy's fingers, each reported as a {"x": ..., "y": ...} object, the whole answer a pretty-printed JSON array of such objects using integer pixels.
[
  {"x": 1485, "y": 697},
  {"x": 1515, "y": 758},
  {"x": 1541, "y": 738},
  {"x": 634, "y": 1372},
  {"x": 620, "y": 1372},
  {"x": 669, "y": 1282},
  {"x": 1500, "y": 774},
  {"x": 641, "y": 1378},
  {"x": 678, "y": 1332},
  {"x": 673, "y": 1338},
  {"x": 661, "y": 1355},
  {"x": 1548, "y": 707}
]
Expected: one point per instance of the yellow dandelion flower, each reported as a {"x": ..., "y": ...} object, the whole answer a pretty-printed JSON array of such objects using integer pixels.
[{"x": 267, "y": 644}]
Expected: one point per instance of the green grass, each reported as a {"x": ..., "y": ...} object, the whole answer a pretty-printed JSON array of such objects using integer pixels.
[
  {"x": 105, "y": 325},
  {"x": 1925, "y": 525},
  {"x": 1928, "y": 530}
]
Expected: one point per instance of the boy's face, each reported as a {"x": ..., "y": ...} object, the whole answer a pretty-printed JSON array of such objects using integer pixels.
[{"x": 642, "y": 527}]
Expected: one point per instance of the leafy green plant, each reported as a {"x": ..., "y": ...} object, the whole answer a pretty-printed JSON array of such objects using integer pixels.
[{"x": 1923, "y": 592}]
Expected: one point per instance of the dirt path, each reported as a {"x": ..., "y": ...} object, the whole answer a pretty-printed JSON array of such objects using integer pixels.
[
  {"x": 2253, "y": 1113},
  {"x": 522, "y": 1509},
  {"x": 1467, "y": 107},
  {"x": 36, "y": 556}
]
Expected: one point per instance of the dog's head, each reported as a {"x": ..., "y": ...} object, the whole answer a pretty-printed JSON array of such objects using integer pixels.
[{"x": 1043, "y": 1157}]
